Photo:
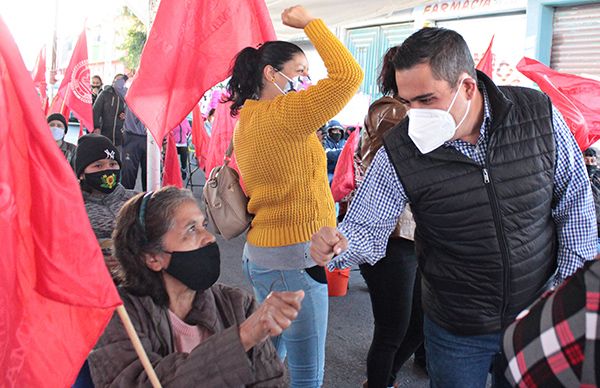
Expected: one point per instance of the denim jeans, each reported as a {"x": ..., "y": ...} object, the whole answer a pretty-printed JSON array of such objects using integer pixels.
[
  {"x": 455, "y": 361},
  {"x": 304, "y": 341}
]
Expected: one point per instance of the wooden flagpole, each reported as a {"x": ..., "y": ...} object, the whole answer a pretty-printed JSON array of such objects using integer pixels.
[{"x": 139, "y": 349}]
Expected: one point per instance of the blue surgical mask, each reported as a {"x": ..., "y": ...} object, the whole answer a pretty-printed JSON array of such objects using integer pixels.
[
  {"x": 57, "y": 133},
  {"x": 294, "y": 85}
]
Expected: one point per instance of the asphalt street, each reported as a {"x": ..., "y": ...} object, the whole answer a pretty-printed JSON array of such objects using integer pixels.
[{"x": 350, "y": 325}]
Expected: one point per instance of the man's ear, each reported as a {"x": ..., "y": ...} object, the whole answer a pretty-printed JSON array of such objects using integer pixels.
[
  {"x": 154, "y": 261},
  {"x": 471, "y": 87}
]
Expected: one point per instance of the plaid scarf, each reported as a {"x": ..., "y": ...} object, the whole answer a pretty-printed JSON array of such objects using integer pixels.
[{"x": 556, "y": 342}]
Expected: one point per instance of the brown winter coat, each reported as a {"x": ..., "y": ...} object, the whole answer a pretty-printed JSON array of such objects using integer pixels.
[{"x": 219, "y": 361}]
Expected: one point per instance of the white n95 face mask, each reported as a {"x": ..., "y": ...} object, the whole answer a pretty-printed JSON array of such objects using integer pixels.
[{"x": 430, "y": 128}]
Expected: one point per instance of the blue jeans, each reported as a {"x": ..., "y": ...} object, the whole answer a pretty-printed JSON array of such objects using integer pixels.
[
  {"x": 462, "y": 361},
  {"x": 304, "y": 341}
]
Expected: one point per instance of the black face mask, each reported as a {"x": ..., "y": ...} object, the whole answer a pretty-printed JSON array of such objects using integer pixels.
[
  {"x": 198, "y": 269},
  {"x": 336, "y": 137},
  {"x": 105, "y": 181},
  {"x": 591, "y": 169}
]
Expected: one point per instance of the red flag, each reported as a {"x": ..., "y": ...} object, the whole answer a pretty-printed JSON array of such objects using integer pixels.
[
  {"x": 577, "y": 99},
  {"x": 56, "y": 295},
  {"x": 200, "y": 137},
  {"x": 485, "y": 63},
  {"x": 172, "y": 167},
  {"x": 221, "y": 133},
  {"x": 39, "y": 78},
  {"x": 75, "y": 91},
  {"x": 189, "y": 49},
  {"x": 343, "y": 176}
]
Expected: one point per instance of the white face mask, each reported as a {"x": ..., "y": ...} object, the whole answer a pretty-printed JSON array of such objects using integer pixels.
[
  {"x": 57, "y": 133},
  {"x": 430, "y": 128},
  {"x": 294, "y": 85}
]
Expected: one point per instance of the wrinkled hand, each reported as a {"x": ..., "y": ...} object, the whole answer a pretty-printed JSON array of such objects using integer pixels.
[
  {"x": 272, "y": 317},
  {"x": 326, "y": 243},
  {"x": 122, "y": 116},
  {"x": 296, "y": 17},
  {"x": 97, "y": 131}
]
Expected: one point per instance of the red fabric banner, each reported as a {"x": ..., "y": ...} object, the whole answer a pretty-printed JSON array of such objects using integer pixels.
[
  {"x": 343, "y": 176},
  {"x": 172, "y": 167},
  {"x": 221, "y": 134},
  {"x": 200, "y": 137},
  {"x": 485, "y": 63},
  {"x": 39, "y": 78},
  {"x": 56, "y": 295},
  {"x": 75, "y": 91},
  {"x": 577, "y": 98},
  {"x": 189, "y": 50}
]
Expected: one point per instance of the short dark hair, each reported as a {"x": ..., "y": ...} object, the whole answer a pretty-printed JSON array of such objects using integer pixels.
[
  {"x": 246, "y": 71},
  {"x": 444, "y": 50},
  {"x": 120, "y": 75},
  {"x": 132, "y": 240}
]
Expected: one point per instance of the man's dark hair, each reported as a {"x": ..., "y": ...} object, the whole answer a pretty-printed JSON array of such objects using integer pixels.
[{"x": 444, "y": 50}]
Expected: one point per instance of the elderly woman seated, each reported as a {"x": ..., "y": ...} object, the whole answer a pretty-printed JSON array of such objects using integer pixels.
[{"x": 196, "y": 333}]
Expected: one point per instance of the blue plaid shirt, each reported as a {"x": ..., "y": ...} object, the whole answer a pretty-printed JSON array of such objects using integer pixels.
[{"x": 381, "y": 198}]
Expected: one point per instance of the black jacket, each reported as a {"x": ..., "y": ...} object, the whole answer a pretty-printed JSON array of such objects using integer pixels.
[
  {"x": 485, "y": 237},
  {"x": 107, "y": 108}
]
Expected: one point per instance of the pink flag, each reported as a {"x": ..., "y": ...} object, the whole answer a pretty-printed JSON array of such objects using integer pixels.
[
  {"x": 577, "y": 98},
  {"x": 485, "y": 63},
  {"x": 189, "y": 49}
]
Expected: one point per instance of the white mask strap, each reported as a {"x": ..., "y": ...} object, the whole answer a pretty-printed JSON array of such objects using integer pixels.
[{"x": 455, "y": 95}]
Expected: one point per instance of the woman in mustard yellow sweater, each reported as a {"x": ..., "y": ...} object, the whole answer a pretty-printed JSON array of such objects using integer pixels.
[{"x": 284, "y": 170}]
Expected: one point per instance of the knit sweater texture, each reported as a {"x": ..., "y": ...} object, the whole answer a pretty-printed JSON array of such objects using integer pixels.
[{"x": 280, "y": 157}]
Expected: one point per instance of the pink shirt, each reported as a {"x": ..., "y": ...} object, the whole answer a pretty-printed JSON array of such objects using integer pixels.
[{"x": 186, "y": 337}]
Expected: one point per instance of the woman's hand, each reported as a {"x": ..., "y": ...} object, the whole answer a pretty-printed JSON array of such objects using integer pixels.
[
  {"x": 272, "y": 317},
  {"x": 296, "y": 17}
]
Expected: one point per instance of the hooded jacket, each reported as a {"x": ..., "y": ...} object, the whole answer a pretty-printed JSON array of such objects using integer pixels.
[{"x": 107, "y": 108}]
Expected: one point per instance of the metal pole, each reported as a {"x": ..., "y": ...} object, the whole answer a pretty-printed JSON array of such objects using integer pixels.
[{"x": 152, "y": 148}]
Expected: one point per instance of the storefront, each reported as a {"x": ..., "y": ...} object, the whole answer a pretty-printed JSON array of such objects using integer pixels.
[
  {"x": 565, "y": 34},
  {"x": 476, "y": 20}
]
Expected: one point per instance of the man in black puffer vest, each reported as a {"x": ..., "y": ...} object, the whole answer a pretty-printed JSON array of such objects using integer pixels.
[{"x": 499, "y": 194}]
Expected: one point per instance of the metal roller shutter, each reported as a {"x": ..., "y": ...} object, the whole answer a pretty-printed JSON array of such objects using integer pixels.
[{"x": 576, "y": 39}]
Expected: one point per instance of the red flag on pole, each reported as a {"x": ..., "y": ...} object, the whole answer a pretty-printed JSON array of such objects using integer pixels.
[
  {"x": 343, "y": 176},
  {"x": 75, "y": 91},
  {"x": 200, "y": 137},
  {"x": 172, "y": 168},
  {"x": 485, "y": 63},
  {"x": 190, "y": 49},
  {"x": 221, "y": 133},
  {"x": 56, "y": 295},
  {"x": 577, "y": 98},
  {"x": 39, "y": 78}
]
